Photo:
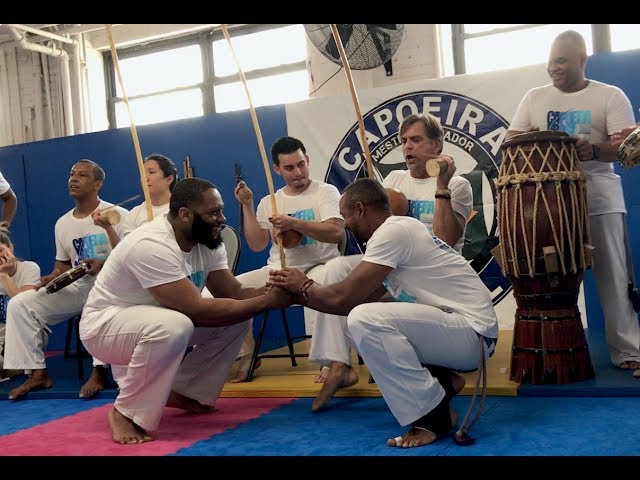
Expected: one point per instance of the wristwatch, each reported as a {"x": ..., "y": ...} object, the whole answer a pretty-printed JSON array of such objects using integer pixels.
[{"x": 596, "y": 151}]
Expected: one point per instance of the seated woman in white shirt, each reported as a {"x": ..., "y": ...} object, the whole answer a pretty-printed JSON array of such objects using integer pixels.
[
  {"x": 15, "y": 276},
  {"x": 162, "y": 176}
]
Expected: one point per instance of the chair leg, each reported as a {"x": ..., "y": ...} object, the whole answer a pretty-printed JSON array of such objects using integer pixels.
[
  {"x": 285, "y": 322},
  {"x": 67, "y": 343},
  {"x": 79, "y": 349},
  {"x": 254, "y": 356}
]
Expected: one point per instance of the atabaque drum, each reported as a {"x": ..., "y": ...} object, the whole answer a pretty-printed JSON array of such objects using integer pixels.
[{"x": 544, "y": 251}]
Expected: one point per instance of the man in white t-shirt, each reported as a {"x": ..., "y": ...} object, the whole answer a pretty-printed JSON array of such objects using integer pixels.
[
  {"x": 592, "y": 111},
  {"x": 146, "y": 309},
  {"x": 306, "y": 208},
  {"x": 9, "y": 201},
  {"x": 442, "y": 314},
  {"x": 32, "y": 313},
  {"x": 443, "y": 203}
]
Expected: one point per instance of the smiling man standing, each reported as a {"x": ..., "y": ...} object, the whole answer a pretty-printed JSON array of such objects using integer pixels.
[{"x": 592, "y": 112}]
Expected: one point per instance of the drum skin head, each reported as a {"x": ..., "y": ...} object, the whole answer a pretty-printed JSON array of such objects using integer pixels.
[{"x": 541, "y": 136}]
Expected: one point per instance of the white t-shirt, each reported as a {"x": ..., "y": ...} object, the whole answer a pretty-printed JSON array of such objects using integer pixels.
[
  {"x": 421, "y": 195},
  {"x": 79, "y": 239},
  {"x": 147, "y": 257},
  {"x": 593, "y": 113},
  {"x": 138, "y": 216},
  {"x": 429, "y": 272},
  {"x": 319, "y": 202},
  {"x": 27, "y": 273},
  {"x": 4, "y": 185}
]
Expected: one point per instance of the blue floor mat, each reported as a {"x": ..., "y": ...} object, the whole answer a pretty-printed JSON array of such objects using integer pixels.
[{"x": 509, "y": 426}]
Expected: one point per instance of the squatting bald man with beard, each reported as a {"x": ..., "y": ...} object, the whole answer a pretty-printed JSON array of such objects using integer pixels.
[{"x": 146, "y": 308}]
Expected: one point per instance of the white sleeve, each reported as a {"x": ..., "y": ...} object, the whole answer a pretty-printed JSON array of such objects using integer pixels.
[
  {"x": 30, "y": 274},
  {"x": 390, "y": 246},
  {"x": 218, "y": 259},
  {"x": 521, "y": 121},
  {"x": 154, "y": 264},
  {"x": 619, "y": 112},
  {"x": 263, "y": 213},
  {"x": 61, "y": 252},
  {"x": 389, "y": 180},
  {"x": 329, "y": 203},
  {"x": 461, "y": 196},
  {"x": 4, "y": 185},
  {"x": 119, "y": 228},
  {"x": 129, "y": 224}
]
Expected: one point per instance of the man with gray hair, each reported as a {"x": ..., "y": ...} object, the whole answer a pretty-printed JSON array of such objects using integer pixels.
[{"x": 443, "y": 203}]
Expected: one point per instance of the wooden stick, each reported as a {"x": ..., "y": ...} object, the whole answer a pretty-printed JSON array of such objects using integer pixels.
[
  {"x": 134, "y": 133},
  {"x": 356, "y": 103},
  {"x": 263, "y": 153},
  {"x": 130, "y": 199}
]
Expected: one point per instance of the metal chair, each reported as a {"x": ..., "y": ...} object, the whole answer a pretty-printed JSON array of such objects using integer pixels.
[
  {"x": 342, "y": 247},
  {"x": 232, "y": 245},
  {"x": 80, "y": 353}
]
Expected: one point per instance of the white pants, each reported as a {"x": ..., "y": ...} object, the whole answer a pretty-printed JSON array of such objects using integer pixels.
[
  {"x": 395, "y": 339},
  {"x": 257, "y": 278},
  {"x": 612, "y": 277},
  {"x": 146, "y": 345},
  {"x": 30, "y": 315}
]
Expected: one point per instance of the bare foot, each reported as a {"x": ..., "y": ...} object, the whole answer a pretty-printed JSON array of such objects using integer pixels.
[
  {"x": 38, "y": 380},
  {"x": 339, "y": 376},
  {"x": 124, "y": 431},
  {"x": 243, "y": 369},
  {"x": 629, "y": 365},
  {"x": 418, "y": 436},
  {"x": 177, "y": 400},
  {"x": 99, "y": 380},
  {"x": 322, "y": 376}
]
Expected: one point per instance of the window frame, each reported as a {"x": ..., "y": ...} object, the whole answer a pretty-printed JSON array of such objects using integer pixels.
[
  {"x": 601, "y": 40},
  {"x": 210, "y": 79}
]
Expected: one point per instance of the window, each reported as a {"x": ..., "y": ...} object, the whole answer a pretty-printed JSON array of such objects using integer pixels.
[
  {"x": 197, "y": 74},
  {"x": 516, "y": 48},
  {"x": 487, "y": 47},
  {"x": 258, "y": 50},
  {"x": 624, "y": 36},
  {"x": 271, "y": 90},
  {"x": 161, "y": 86},
  {"x": 161, "y": 108},
  {"x": 274, "y": 63}
]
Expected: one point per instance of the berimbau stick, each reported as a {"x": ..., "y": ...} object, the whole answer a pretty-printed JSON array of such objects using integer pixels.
[
  {"x": 356, "y": 103},
  {"x": 263, "y": 153},
  {"x": 134, "y": 133}
]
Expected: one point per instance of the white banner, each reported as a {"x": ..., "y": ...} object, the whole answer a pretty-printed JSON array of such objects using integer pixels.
[{"x": 474, "y": 110}]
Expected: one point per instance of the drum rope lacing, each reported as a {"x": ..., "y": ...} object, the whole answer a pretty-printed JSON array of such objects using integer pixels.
[{"x": 511, "y": 177}]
